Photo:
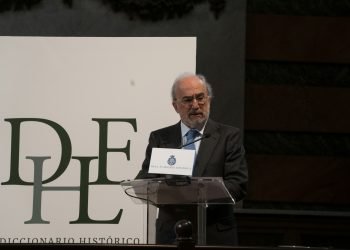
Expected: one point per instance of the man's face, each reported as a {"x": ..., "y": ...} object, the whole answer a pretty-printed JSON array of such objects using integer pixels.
[{"x": 192, "y": 102}]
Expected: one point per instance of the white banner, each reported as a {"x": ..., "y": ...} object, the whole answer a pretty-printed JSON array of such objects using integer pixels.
[{"x": 75, "y": 119}]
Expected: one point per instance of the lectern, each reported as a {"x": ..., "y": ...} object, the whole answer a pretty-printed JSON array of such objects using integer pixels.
[{"x": 196, "y": 191}]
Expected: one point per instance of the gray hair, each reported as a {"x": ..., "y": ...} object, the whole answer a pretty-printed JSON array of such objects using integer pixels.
[{"x": 187, "y": 74}]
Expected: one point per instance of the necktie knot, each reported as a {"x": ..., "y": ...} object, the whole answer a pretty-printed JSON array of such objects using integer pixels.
[{"x": 190, "y": 136}]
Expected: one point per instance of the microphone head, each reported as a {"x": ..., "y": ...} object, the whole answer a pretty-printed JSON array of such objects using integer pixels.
[{"x": 206, "y": 135}]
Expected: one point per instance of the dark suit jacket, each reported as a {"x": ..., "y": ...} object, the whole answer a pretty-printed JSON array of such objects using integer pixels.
[{"x": 220, "y": 155}]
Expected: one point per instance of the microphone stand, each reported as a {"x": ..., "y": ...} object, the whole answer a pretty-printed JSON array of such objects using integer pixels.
[{"x": 199, "y": 139}]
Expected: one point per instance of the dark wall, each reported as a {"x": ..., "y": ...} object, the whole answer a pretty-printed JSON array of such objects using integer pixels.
[
  {"x": 297, "y": 118},
  {"x": 297, "y": 124}
]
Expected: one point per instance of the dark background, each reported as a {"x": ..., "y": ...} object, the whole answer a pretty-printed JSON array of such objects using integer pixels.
[
  {"x": 297, "y": 118},
  {"x": 297, "y": 123},
  {"x": 280, "y": 71}
]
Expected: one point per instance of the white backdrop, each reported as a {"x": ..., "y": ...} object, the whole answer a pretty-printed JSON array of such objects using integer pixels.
[{"x": 70, "y": 81}]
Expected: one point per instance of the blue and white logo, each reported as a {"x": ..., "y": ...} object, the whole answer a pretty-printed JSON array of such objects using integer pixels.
[{"x": 172, "y": 160}]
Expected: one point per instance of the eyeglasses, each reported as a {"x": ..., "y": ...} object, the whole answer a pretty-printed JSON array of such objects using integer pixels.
[{"x": 200, "y": 98}]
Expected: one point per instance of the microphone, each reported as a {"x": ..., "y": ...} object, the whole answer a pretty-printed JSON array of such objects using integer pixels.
[
  {"x": 180, "y": 180},
  {"x": 204, "y": 136}
]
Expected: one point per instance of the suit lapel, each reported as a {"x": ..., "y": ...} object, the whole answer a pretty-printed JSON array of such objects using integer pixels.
[
  {"x": 172, "y": 138},
  {"x": 206, "y": 148}
]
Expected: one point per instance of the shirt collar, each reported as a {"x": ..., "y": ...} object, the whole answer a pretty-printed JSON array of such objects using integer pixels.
[{"x": 185, "y": 129}]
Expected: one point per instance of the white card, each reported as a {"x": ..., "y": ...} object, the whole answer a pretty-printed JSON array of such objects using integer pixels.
[{"x": 172, "y": 161}]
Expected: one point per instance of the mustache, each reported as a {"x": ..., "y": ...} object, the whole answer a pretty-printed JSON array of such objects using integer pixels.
[{"x": 195, "y": 113}]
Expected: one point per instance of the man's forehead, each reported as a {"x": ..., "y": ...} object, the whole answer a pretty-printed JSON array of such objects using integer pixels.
[
  {"x": 194, "y": 94},
  {"x": 191, "y": 87}
]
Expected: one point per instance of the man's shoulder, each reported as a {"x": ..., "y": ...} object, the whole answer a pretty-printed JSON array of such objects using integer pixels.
[
  {"x": 168, "y": 129},
  {"x": 214, "y": 125}
]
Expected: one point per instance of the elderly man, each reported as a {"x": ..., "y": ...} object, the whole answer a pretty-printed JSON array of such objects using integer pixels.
[{"x": 219, "y": 155}]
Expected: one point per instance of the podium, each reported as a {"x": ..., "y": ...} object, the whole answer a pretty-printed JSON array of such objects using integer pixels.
[{"x": 158, "y": 193}]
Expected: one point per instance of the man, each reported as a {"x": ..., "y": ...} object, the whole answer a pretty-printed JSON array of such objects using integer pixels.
[{"x": 221, "y": 154}]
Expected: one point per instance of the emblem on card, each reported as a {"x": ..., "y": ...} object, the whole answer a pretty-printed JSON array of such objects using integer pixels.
[{"x": 172, "y": 160}]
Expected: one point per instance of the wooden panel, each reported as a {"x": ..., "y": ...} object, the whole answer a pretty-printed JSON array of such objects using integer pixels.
[
  {"x": 292, "y": 108},
  {"x": 268, "y": 229},
  {"x": 299, "y": 179},
  {"x": 298, "y": 38}
]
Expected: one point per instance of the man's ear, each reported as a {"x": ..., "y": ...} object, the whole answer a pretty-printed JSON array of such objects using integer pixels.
[
  {"x": 209, "y": 99},
  {"x": 175, "y": 106}
]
